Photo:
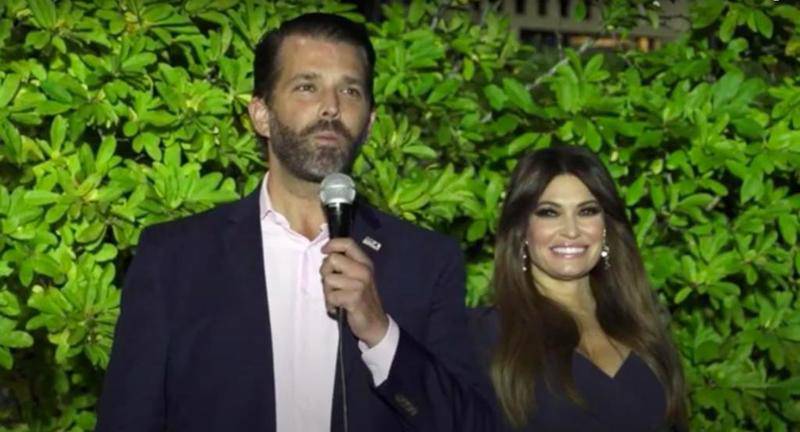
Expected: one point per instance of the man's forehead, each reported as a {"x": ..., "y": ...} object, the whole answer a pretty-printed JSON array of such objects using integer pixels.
[
  {"x": 315, "y": 42},
  {"x": 305, "y": 48}
]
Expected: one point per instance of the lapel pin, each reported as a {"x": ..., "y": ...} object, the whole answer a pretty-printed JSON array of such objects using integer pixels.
[{"x": 371, "y": 243}]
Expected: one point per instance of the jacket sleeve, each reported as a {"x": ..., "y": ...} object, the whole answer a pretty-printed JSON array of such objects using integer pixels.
[
  {"x": 133, "y": 393},
  {"x": 435, "y": 384}
]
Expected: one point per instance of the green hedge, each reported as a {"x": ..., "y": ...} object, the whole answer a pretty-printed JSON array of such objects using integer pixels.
[{"x": 118, "y": 114}]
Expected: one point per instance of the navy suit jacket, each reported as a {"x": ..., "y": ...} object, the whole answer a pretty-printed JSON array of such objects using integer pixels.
[{"x": 192, "y": 349}]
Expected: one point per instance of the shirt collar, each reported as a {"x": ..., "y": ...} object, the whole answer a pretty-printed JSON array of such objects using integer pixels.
[
  {"x": 264, "y": 202},
  {"x": 267, "y": 211}
]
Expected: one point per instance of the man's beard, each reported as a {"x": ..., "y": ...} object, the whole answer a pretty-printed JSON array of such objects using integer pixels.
[{"x": 299, "y": 154}]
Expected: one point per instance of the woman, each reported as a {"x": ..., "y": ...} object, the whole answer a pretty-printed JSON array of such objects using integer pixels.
[{"x": 582, "y": 345}]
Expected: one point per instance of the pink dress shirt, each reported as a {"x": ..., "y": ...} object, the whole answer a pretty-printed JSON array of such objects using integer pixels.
[{"x": 304, "y": 337}]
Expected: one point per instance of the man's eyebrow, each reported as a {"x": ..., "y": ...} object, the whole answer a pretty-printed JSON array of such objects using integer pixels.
[
  {"x": 302, "y": 76},
  {"x": 353, "y": 80}
]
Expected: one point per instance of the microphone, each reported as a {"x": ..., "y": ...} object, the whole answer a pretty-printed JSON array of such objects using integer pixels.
[{"x": 337, "y": 193}]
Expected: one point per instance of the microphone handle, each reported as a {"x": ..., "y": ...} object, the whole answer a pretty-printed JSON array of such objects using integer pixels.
[
  {"x": 339, "y": 216},
  {"x": 340, "y": 317}
]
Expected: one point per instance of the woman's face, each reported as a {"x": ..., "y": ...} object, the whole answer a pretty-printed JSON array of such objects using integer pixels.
[{"x": 565, "y": 231}]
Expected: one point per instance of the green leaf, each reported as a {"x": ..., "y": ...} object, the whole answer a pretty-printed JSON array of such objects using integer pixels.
[
  {"x": 635, "y": 191},
  {"x": 137, "y": 62},
  {"x": 788, "y": 228},
  {"x": 55, "y": 213},
  {"x": 415, "y": 11},
  {"x": 46, "y": 265},
  {"x": 107, "y": 252},
  {"x": 477, "y": 230},
  {"x": 56, "y": 91},
  {"x": 748, "y": 127},
  {"x": 421, "y": 151},
  {"x": 16, "y": 339},
  {"x": 704, "y": 13},
  {"x": 522, "y": 143},
  {"x": 518, "y": 95},
  {"x": 567, "y": 95},
  {"x": 9, "y": 306},
  {"x": 172, "y": 156},
  {"x": 38, "y": 197},
  {"x": 8, "y": 89},
  {"x": 50, "y": 107},
  {"x": 58, "y": 131},
  {"x": 468, "y": 71},
  {"x": 791, "y": 333},
  {"x": 682, "y": 295},
  {"x": 738, "y": 169},
  {"x": 579, "y": 11},
  {"x": 158, "y": 12},
  {"x": 657, "y": 195},
  {"x": 593, "y": 138},
  {"x": 763, "y": 23},
  {"x": 727, "y": 87},
  {"x": 445, "y": 89},
  {"x": 37, "y": 39},
  {"x": 90, "y": 232},
  {"x": 728, "y": 26},
  {"x": 144, "y": 140},
  {"x": 752, "y": 187},
  {"x": 6, "y": 360},
  {"x": 797, "y": 262},
  {"x": 5, "y": 269},
  {"x": 106, "y": 151},
  {"x": 695, "y": 200},
  {"x": 496, "y": 97},
  {"x": 44, "y": 12}
]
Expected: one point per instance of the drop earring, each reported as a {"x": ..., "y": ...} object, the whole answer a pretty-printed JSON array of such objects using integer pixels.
[
  {"x": 523, "y": 251},
  {"x": 605, "y": 253}
]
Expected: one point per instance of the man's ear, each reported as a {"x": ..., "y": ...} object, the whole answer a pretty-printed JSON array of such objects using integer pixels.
[
  {"x": 371, "y": 122},
  {"x": 259, "y": 116}
]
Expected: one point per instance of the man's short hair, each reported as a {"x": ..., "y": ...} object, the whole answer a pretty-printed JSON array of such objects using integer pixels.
[{"x": 334, "y": 28}]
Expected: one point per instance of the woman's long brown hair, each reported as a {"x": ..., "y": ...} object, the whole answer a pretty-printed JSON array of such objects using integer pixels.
[{"x": 537, "y": 335}]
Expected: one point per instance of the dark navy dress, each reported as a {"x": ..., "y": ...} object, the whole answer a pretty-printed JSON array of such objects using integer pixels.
[{"x": 631, "y": 400}]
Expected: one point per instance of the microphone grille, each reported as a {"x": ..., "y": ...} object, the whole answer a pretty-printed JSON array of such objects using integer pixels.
[{"x": 337, "y": 188}]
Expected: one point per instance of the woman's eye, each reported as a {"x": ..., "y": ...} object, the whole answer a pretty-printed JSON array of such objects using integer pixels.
[
  {"x": 545, "y": 212},
  {"x": 305, "y": 87},
  {"x": 590, "y": 211}
]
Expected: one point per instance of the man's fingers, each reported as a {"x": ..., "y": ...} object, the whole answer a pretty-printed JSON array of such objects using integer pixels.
[
  {"x": 346, "y": 299},
  {"x": 347, "y": 247},
  {"x": 339, "y": 282},
  {"x": 338, "y": 263}
]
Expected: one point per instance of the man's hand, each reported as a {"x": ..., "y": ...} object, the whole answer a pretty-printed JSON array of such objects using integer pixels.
[{"x": 348, "y": 282}]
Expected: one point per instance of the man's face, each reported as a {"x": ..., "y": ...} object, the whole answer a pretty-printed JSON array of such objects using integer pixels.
[{"x": 319, "y": 112}]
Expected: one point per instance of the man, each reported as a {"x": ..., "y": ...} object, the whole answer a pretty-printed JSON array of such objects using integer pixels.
[{"x": 226, "y": 315}]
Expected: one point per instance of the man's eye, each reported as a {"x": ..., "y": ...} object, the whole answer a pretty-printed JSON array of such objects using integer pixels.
[
  {"x": 305, "y": 87},
  {"x": 352, "y": 91}
]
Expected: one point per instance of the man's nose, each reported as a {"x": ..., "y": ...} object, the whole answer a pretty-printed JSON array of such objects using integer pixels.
[{"x": 329, "y": 106}]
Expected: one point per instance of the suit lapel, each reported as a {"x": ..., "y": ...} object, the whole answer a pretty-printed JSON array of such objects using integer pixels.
[
  {"x": 365, "y": 226},
  {"x": 244, "y": 256}
]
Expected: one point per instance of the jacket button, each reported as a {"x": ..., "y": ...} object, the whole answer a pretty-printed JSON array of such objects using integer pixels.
[{"x": 406, "y": 405}]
